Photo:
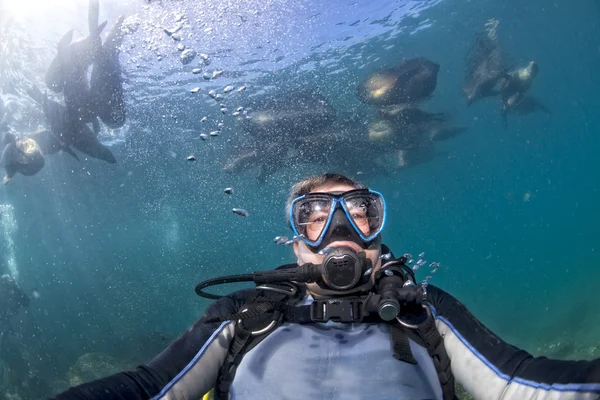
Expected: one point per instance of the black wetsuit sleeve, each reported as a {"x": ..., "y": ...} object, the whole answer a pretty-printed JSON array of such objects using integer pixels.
[
  {"x": 156, "y": 377},
  {"x": 486, "y": 365}
]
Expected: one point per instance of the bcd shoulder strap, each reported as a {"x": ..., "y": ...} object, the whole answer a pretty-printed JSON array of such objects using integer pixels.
[
  {"x": 427, "y": 335},
  {"x": 259, "y": 317}
]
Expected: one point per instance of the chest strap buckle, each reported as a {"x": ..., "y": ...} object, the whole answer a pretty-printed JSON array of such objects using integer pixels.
[{"x": 336, "y": 310}]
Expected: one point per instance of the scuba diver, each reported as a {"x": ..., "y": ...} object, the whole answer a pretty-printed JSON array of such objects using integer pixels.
[{"x": 346, "y": 321}]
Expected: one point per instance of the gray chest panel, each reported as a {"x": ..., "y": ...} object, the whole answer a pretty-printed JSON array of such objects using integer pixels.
[{"x": 333, "y": 361}]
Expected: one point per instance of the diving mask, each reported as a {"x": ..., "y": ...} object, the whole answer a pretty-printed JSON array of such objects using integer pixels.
[{"x": 357, "y": 216}]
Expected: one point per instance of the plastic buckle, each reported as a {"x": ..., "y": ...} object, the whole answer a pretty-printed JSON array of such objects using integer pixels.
[{"x": 336, "y": 310}]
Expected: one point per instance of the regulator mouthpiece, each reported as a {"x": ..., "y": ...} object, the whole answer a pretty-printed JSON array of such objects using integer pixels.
[{"x": 343, "y": 268}]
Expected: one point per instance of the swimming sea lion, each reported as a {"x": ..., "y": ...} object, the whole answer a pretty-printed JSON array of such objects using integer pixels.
[
  {"x": 22, "y": 155},
  {"x": 70, "y": 131},
  {"x": 106, "y": 82},
  {"x": 68, "y": 71},
  {"x": 412, "y": 81},
  {"x": 485, "y": 66},
  {"x": 289, "y": 115},
  {"x": 50, "y": 144},
  {"x": 517, "y": 83}
]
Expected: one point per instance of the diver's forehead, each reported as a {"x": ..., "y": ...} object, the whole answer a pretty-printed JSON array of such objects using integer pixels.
[{"x": 332, "y": 188}]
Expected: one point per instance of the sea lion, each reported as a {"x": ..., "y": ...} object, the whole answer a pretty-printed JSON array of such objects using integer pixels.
[
  {"x": 70, "y": 131},
  {"x": 278, "y": 116},
  {"x": 521, "y": 104},
  {"x": 68, "y": 71},
  {"x": 50, "y": 144},
  {"x": 106, "y": 82},
  {"x": 517, "y": 83},
  {"x": 408, "y": 114},
  {"x": 423, "y": 153},
  {"x": 411, "y": 82},
  {"x": 485, "y": 66},
  {"x": 20, "y": 155}
]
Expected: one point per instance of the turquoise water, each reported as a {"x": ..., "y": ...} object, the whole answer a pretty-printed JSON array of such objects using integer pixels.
[{"x": 114, "y": 251}]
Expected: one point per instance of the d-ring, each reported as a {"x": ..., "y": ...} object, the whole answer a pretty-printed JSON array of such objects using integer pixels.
[
  {"x": 260, "y": 331},
  {"x": 413, "y": 326}
]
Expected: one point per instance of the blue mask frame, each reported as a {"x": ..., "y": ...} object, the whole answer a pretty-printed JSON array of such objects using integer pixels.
[{"x": 338, "y": 201}]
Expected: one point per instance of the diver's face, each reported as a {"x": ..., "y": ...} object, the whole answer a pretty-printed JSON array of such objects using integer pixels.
[{"x": 305, "y": 255}]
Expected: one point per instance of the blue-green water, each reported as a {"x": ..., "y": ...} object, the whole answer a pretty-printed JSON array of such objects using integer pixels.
[{"x": 115, "y": 250}]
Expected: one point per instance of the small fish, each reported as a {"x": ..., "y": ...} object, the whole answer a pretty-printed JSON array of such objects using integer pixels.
[
  {"x": 228, "y": 190},
  {"x": 224, "y": 110},
  {"x": 203, "y": 136},
  {"x": 241, "y": 212},
  {"x": 421, "y": 255},
  {"x": 196, "y": 71},
  {"x": 191, "y": 158},
  {"x": 181, "y": 47},
  {"x": 195, "y": 90},
  {"x": 241, "y": 89},
  {"x": 239, "y": 109},
  {"x": 386, "y": 256},
  {"x": 203, "y": 119},
  {"x": 235, "y": 113},
  {"x": 220, "y": 125},
  {"x": 218, "y": 97},
  {"x": 280, "y": 239},
  {"x": 217, "y": 73},
  {"x": 212, "y": 93},
  {"x": 214, "y": 133},
  {"x": 228, "y": 89},
  {"x": 176, "y": 36},
  {"x": 293, "y": 240},
  {"x": 35, "y": 293},
  {"x": 204, "y": 56},
  {"x": 207, "y": 76}
]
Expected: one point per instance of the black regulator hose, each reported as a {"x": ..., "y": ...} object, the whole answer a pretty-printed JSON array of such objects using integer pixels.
[
  {"x": 220, "y": 281},
  {"x": 303, "y": 273}
]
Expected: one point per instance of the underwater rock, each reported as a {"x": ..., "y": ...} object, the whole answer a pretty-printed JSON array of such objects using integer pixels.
[
  {"x": 569, "y": 350},
  {"x": 93, "y": 366},
  {"x": 461, "y": 393}
]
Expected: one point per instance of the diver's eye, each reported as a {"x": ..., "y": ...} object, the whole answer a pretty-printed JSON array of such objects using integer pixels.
[{"x": 318, "y": 219}]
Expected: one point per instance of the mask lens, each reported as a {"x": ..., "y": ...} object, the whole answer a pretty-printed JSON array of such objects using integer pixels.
[
  {"x": 366, "y": 211},
  {"x": 310, "y": 216}
]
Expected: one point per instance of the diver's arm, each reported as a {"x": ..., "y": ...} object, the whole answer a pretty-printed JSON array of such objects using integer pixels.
[
  {"x": 187, "y": 369},
  {"x": 490, "y": 368}
]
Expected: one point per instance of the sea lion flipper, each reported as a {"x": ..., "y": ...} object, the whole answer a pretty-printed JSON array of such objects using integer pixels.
[
  {"x": 65, "y": 41},
  {"x": 36, "y": 94},
  {"x": 99, "y": 29},
  {"x": 538, "y": 105},
  {"x": 115, "y": 35},
  {"x": 70, "y": 151},
  {"x": 7, "y": 138},
  {"x": 93, "y": 15},
  {"x": 6, "y": 156},
  {"x": 96, "y": 125}
]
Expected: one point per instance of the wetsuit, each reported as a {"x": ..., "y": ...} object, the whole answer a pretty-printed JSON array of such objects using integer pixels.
[{"x": 331, "y": 361}]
